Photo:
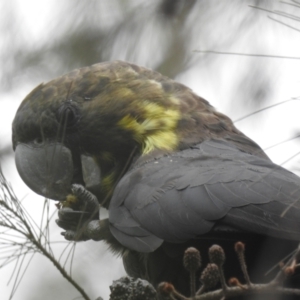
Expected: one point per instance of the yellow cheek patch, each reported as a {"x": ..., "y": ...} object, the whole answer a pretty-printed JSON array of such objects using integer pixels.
[
  {"x": 130, "y": 124},
  {"x": 160, "y": 140},
  {"x": 156, "y": 130}
]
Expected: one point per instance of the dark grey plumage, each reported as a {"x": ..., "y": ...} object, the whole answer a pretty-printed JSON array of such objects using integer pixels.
[{"x": 210, "y": 186}]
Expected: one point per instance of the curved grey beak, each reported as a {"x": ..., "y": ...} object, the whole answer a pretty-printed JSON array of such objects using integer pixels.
[{"x": 47, "y": 169}]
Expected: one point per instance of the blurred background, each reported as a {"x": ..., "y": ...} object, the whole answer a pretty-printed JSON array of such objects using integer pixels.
[{"x": 41, "y": 40}]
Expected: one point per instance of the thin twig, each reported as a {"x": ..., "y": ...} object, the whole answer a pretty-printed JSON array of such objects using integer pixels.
[
  {"x": 15, "y": 218},
  {"x": 247, "y": 54}
]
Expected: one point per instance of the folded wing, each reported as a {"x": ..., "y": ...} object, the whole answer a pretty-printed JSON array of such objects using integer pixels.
[{"x": 184, "y": 195}]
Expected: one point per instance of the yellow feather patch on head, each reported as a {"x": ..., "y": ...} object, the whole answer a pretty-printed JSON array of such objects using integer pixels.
[
  {"x": 157, "y": 128},
  {"x": 160, "y": 140},
  {"x": 174, "y": 100},
  {"x": 131, "y": 124}
]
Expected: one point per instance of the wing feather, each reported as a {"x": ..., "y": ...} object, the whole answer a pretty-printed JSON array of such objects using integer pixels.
[{"x": 181, "y": 196}]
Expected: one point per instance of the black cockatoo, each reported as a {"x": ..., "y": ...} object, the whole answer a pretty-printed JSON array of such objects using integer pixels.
[{"x": 171, "y": 170}]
